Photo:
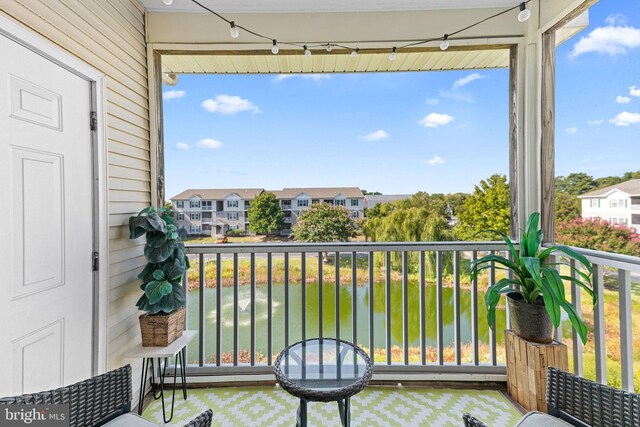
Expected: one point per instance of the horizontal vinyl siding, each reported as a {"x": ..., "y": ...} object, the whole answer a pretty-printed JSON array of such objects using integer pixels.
[{"x": 109, "y": 35}]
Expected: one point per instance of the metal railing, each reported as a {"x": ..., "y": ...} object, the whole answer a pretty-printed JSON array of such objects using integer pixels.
[{"x": 375, "y": 274}]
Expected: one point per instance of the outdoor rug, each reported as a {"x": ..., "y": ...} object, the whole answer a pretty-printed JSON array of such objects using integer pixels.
[{"x": 375, "y": 406}]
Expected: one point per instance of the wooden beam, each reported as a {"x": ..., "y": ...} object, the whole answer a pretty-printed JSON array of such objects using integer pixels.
[
  {"x": 513, "y": 140},
  {"x": 547, "y": 155},
  {"x": 583, "y": 7},
  {"x": 159, "y": 128}
]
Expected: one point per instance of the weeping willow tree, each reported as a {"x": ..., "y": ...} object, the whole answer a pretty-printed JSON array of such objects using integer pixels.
[{"x": 412, "y": 224}]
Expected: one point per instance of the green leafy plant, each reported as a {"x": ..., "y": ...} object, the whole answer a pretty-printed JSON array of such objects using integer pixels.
[
  {"x": 533, "y": 276},
  {"x": 167, "y": 262}
]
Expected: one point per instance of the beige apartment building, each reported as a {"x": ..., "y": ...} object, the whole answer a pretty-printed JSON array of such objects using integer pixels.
[{"x": 216, "y": 211}]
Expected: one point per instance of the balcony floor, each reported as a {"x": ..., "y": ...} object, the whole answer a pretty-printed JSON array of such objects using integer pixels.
[{"x": 375, "y": 406}]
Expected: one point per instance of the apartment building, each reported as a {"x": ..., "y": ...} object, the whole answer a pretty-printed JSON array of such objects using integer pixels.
[
  {"x": 618, "y": 204},
  {"x": 216, "y": 211}
]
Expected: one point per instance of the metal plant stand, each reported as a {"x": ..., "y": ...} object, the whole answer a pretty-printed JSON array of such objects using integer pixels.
[{"x": 323, "y": 370}]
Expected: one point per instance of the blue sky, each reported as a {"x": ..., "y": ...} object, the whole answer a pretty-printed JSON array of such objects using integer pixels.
[{"x": 403, "y": 132}]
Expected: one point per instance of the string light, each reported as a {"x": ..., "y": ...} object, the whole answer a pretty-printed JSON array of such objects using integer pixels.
[
  {"x": 167, "y": 2},
  {"x": 524, "y": 12},
  {"x": 393, "y": 54},
  {"x": 523, "y": 15},
  {"x": 233, "y": 31},
  {"x": 445, "y": 42}
]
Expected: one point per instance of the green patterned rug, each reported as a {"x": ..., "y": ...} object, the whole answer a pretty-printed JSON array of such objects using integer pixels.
[{"x": 375, "y": 406}]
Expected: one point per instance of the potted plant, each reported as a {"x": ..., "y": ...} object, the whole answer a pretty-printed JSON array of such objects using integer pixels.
[
  {"x": 164, "y": 295},
  {"x": 535, "y": 294}
]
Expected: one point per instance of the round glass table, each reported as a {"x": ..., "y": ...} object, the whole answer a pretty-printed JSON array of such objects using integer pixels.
[{"x": 323, "y": 370}]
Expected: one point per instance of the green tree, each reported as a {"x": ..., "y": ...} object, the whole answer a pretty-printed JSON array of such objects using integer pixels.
[
  {"x": 488, "y": 208},
  {"x": 323, "y": 222},
  {"x": 265, "y": 214},
  {"x": 568, "y": 207},
  {"x": 599, "y": 235},
  {"x": 575, "y": 183}
]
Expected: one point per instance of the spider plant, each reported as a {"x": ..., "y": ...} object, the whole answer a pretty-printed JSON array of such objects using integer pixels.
[{"x": 533, "y": 276}]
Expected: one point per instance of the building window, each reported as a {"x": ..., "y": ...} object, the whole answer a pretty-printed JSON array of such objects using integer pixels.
[
  {"x": 232, "y": 203},
  {"x": 354, "y": 202},
  {"x": 618, "y": 203},
  {"x": 180, "y": 217},
  {"x": 206, "y": 215},
  {"x": 247, "y": 204},
  {"x": 232, "y": 216},
  {"x": 621, "y": 221},
  {"x": 206, "y": 227},
  {"x": 206, "y": 205},
  {"x": 303, "y": 203},
  {"x": 233, "y": 227},
  {"x": 635, "y": 219},
  {"x": 594, "y": 203},
  {"x": 195, "y": 229},
  {"x": 286, "y": 203},
  {"x": 194, "y": 216},
  {"x": 179, "y": 204},
  {"x": 354, "y": 214},
  {"x": 340, "y": 202},
  {"x": 194, "y": 203}
]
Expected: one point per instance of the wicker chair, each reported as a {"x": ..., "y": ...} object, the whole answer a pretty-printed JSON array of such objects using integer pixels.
[
  {"x": 575, "y": 401},
  {"x": 101, "y": 400}
]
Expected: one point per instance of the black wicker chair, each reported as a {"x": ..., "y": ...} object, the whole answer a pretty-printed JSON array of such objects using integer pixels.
[
  {"x": 105, "y": 399},
  {"x": 576, "y": 401}
]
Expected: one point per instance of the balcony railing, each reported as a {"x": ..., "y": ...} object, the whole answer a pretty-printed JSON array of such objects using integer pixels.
[{"x": 411, "y": 306}]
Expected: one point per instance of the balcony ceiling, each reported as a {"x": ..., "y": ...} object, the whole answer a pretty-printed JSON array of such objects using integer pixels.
[{"x": 309, "y": 6}]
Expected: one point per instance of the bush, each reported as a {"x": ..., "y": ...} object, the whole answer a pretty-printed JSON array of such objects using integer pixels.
[
  {"x": 236, "y": 233},
  {"x": 599, "y": 235}
]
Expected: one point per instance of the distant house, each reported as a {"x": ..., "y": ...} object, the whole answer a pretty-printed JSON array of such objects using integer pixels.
[
  {"x": 618, "y": 204},
  {"x": 216, "y": 211},
  {"x": 371, "y": 200}
]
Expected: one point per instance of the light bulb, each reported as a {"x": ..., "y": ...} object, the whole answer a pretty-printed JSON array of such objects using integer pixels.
[
  {"x": 329, "y": 47},
  {"x": 393, "y": 54},
  {"x": 233, "y": 31},
  {"x": 307, "y": 52},
  {"x": 445, "y": 42},
  {"x": 524, "y": 12},
  {"x": 274, "y": 48},
  {"x": 354, "y": 53},
  {"x": 167, "y": 2}
]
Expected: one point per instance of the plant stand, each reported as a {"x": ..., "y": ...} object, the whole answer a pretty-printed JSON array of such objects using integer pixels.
[{"x": 527, "y": 364}]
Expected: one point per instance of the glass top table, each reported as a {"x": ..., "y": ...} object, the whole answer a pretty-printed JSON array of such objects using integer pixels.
[{"x": 323, "y": 370}]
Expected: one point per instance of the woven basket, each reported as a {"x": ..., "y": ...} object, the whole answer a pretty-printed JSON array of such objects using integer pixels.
[{"x": 160, "y": 330}]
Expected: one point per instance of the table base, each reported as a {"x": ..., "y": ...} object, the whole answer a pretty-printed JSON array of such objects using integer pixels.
[
  {"x": 344, "y": 408},
  {"x": 149, "y": 362}
]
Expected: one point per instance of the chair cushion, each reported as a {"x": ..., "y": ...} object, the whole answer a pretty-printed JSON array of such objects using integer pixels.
[
  {"x": 539, "y": 419},
  {"x": 130, "y": 420}
]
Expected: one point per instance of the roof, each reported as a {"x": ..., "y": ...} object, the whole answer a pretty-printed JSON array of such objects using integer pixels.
[
  {"x": 631, "y": 187},
  {"x": 319, "y": 193},
  {"x": 372, "y": 200},
  {"x": 218, "y": 194}
]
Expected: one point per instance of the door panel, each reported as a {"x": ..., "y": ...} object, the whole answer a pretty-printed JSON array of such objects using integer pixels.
[{"x": 46, "y": 295}]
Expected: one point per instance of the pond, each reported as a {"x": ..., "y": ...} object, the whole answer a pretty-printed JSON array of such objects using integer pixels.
[{"x": 329, "y": 316}]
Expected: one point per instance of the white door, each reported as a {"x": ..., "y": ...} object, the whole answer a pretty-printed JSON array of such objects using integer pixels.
[{"x": 46, "y": 223}]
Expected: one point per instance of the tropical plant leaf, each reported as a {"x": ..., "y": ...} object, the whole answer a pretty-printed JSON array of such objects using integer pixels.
[
  {"x": 156, "y": 223},
  {"x": 531, "y": 233},
  {"x": 173, "y": 300},
  {"x": 158, "y": 255},
  {"x": 138, "y": 226},
  {"x": 158, "y": 275},
  {"x": 576, "y": 321},
  {"x": 146, "y": 275},
  {"x": 532, "y": 265},
  {"x": 593, "y": 295},
  {"x": 156, "y": 239},
  {"x": 555, "y": 281},
  {"x": 569, "y": 252},
  {"x": 492, "y": 297},
  {"x": 551, "y": 301},
  {"x": 156, "y": 290},
  {"x": 174, "y": 270},
  {"x": 497, "y": 259}
]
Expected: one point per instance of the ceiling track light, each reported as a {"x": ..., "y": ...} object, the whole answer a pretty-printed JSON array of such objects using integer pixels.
[
  {"x": 392, "y": 56},
  {"x": 355, "y": 52},
  {"x": 524, "y": 12},
  {"x": 275, "y": 49},
  {"x": 233, "y": 31},
  {"x": 167, "y": 2},
  {"x": 445, "y": 42},
  {"x": 307, "y": 52}
]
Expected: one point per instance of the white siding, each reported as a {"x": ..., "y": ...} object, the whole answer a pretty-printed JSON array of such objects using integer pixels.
[{"x": 110, "y": 36}]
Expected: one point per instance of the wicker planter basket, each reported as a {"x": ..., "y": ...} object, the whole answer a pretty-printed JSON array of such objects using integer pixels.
[{"x": 160, "y": 330}]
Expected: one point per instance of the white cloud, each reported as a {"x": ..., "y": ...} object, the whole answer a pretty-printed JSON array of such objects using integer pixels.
[
  {"x": 616, "y": 19},
  {"x": 634, "y": 91},
  {"x": 595, "y": 122},
  {"x": 456, "y": 95},
  {"x": 228, "y": 104},
  {"x": 433, "y": 120},
  {"x": 173, "y": 94},
  {"x": 316, "y": 77},
  {"x": 623, "y": 99},
  {"x": 437, "y": 160},
  {"x": 571, "y": 131},
  {"x": 377, "y": 135},
  {"x": 182, "y": 146},
  {"x": 210, "y": 143},
  {"x": 466, "y": 80},
  {"x": 625, "y": 119},
  {"x": 610, "y": 40},
  {"x": 432, "y": 101}
]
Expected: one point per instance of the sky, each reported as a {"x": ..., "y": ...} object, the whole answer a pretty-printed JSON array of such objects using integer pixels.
[{"x": 399, "y": 133}]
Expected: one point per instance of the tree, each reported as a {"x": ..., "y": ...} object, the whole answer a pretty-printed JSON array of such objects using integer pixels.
[
  {"x": 599, "y": 235},
  {"x": 575, "y": 183},
  {"x": 568, "y": 207},
  {"x": 372, "y": 193},
  {"x": 323, "y": 222},
  {"x": 265, "y": 214},
  {"x": 488, "y": 208}
]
